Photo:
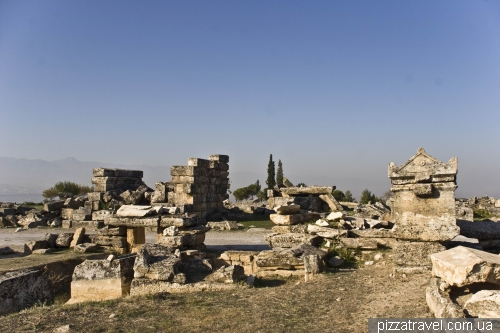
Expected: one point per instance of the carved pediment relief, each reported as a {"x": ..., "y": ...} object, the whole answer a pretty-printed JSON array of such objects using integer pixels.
[{"x": 422, "y": 168}]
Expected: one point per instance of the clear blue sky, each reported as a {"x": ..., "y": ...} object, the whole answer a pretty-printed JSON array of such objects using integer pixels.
[{"x": 335, "y": 89}]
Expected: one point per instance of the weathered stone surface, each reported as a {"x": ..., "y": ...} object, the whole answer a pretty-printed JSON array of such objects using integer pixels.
[
  {"x": 331, "y": 201},
  {"x": 359, "y": 243},
  {"x": 33, "y": 245},
  {"x": 112, "y": 241},
  {"x": 371, "y": 233},
  {"x": 100, "y": 215},
  {"x": 97, "y": 280},
  {"x": 82, "y": 214},
  {"x": 464, "y": 241},
  {"x": 23, "y": 288},
  {"x": 223, "y": 225},
  {"x": 85, "y": 247},
  {"x": 132, "y": 221},
  {"x": 482, "y": 230},
  {"x": 181, "y": 241},
  {"x": 156, "y": 262},
  {"x": 135, "y": 211},
  {"x": 77, "y": 237},
  {"x": 312, "y": 265},
  {"x": 484, "y": 304},
  {"x": 112, "y": 231},
  {"x": 424, "y": 198},
  {"x": 51, "y": 240},
  {"x": 322, "y": 223},
  {"x": 351, "y": 222},
  {"x": 278, "y": 259},
  {"x": 335, "y": 216},
  {"x": 305, "y": 249},
  {"x": 285, "y": 229},
  {"x": 415, "y": 253},
  {"x": 292, "y": 240},
  {"x": 66, "y": 224},
  {"x": 439, "y": 302},
  {"x": 287, "y": 210},
  {"x": 230, "y": 274},
  {"x": 53, "y": 206},
  {"x": 293, "y": 219},
  {"x": 107, "y": 172},
  {"x": 32, "y": 220},
  {"x": 179, "y": 221},
  {"x": 64, "y": 239},
  {"x": 431, "y": 233},
  {"x": 325, "y": 232},
  {"x": 41, "y": 251},
  {"x": 151, "y": 287},
  {"x": 462, "y": 266},
  {"x": 294, "y": 191}
]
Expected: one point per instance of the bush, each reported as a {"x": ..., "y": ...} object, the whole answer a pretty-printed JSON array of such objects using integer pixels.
[
  {"x": 66, "y": 187},
  {"x": 481, "y": 214}
]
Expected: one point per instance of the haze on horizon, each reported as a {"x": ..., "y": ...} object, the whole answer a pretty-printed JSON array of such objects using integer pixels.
[{"x": 336, "y": 90}]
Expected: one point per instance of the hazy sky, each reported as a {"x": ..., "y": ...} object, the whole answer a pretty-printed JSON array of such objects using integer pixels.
[{"x": 335, "y": 89}]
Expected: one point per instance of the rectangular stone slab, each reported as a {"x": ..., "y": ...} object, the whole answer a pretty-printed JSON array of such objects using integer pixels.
[
  {"x": 461, "y": 266},
  {"x": 293, "y": 219},
  {"x": 292, "y": 191},
  {"x": 132, "y": 221}
]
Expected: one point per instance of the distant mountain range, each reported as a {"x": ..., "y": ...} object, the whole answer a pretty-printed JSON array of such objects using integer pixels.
[{"x": 24, "y": 179}]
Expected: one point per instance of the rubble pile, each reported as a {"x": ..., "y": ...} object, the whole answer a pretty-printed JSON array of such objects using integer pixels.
[{"x": 474, "y": 274}]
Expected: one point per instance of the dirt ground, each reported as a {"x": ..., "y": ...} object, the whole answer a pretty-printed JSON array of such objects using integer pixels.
[{"x": 337, "y": 301}]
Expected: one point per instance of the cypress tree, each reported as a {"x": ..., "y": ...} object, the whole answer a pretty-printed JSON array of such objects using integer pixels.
[
  {"x": 271, "y": 180},
  {"x": 279, "y": 174}
]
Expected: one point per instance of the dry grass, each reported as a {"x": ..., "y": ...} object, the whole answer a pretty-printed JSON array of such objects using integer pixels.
[{"x": 289, "y": 305}]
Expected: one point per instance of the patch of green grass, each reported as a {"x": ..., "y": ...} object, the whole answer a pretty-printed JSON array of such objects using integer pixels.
[
  {"x": 481, "y": 214},
  {"x": 267, "y": 224}
]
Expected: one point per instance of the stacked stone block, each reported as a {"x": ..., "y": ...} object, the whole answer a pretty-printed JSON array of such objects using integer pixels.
[
  {"x": 201, "y": 186},
  {"x": 423, "y": 209},
  {"x": 112, "y": 238}
]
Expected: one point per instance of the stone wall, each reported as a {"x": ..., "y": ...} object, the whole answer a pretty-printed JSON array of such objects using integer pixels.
[{"x": 201, "y": 186}]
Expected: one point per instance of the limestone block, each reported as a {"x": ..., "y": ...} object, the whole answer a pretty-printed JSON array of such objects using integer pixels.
[
  {"x": 179, "y": 221},
  {"x": 461, "y": 266},
  {"x": 230, "y": 274},
  {"x": 439, "y": 302},
  {"x": 135, "y": 211},
  {"x": 415, "y": 253},
  {"x": 135, "y": 237},
  {"x": 23, "y": 288},
  {"x": 132, "y": 221},
  {"x": 198, "y": 162},
  {"x": 312, "y": 265},
  {"x": 82, "y": 214},
  {"x": 67, "y": 224},
  {"x": 33, "y": 245},
  {"x": 51, "y": 240},
  {"x": 294, "y": 191},
  {"x": 112, "y": 231},
  {"x": 439, "y": 232},
  {"x": 219, "y": 158},
  {"x": 181, "y": 241},
  {"x": 53, "y": 206},
  {"x": 335, "y": 216},
  {"x": 85, "y": 247},
  {"x": 32, "y": 220},
  {"x": 67, "y": 213},
  {"x": 278, "y": 259},
  {"x": 95, "y": 196},
  {"x": 287, "y": 210},
  {"x": 97, "y": 280},
  {"x": 100, "y": 215},
  {"x": 293, "y": 219},
  {"x": 285, "y": 229},
  {"x": 325, "y": 232},
  {"x": 64, "y": 239},
  {"x": 359, "y": 243},
  {"x": 190, "y": 179},
  {"x": 218, "y": 165},
  {"x": 484, "y": 304},
  {"x": 77, "y": 237},
  {"x": 464, "y": 241},
  {"x": 305, "y": 249},
  {"x": 107, "y": 172},
  {"x": 156, "y": 262},
  {"x": 192, "y": 171},
  {"x": 291, "y": 240},
  {"x": 111, "y": 241},
  {"x": 331, "y": 201}
]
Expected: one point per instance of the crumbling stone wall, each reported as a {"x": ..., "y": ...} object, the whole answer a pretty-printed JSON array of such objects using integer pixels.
[{"x": 201, "y": 186}]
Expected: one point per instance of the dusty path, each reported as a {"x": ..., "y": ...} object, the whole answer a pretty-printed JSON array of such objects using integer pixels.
[{"x": 252, "y": 240}]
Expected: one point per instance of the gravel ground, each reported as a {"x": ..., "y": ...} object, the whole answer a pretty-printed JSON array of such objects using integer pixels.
[{"x": 251, "y": 239}]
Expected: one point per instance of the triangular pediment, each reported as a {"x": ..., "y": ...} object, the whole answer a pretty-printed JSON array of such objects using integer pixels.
[{"x": 423, "y": 163}]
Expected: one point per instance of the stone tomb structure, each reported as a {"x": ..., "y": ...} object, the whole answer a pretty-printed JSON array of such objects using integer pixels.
[{"x": 423, "y": 209}]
